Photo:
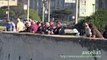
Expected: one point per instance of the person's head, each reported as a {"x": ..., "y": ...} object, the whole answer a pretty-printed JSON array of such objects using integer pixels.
[
  {"x": 51, "y": 23},
  {"x": 18, "y": 20},
  {"x": 86, "y": 25},
  {"x": 91, "y": 25},
  {"x": 58, "y": 25},
  {"x": 8, "y": 22},
  {"x": 39, "y": 24},
  {"x": 27, "y": 24},
  {"x": 47, "y": 24},
  {"x": 32, "y": 22}
]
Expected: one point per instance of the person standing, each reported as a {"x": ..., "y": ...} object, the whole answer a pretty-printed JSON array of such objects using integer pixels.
[
  {"x": 20, "y": 25},
  {"x": 88, "y": 32}
]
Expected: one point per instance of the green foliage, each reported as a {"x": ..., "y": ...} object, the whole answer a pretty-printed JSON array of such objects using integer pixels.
[
  {"x": 99, "y": 19},
  {"x": 3, "y": 12},
  {"x": 34, "y": 15},
  {"x": 18, "y": 11}
]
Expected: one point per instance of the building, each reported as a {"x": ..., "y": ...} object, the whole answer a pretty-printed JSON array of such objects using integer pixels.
[
  {"x": 8, "y": 2},
  {"x": 86, "y": 7},
  {"x": 55, "y": 5},
  {"x": 101, "y": 4}
]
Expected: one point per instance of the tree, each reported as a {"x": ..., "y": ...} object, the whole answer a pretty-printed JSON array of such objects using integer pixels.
[
  {"x": 99, "y": 19},
  {"x": 3, "y": 13},
  {"x": 34, "y": 15},
  {"x": 18, "y": 11}
]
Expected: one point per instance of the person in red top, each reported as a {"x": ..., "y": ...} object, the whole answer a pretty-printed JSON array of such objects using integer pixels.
[{"x": 34, "y": 27}]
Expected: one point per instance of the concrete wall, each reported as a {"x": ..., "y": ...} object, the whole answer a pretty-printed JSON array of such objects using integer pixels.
[{"x": 15, "y": 46}]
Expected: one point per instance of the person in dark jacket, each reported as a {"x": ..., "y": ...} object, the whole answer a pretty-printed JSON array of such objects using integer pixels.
[
  {"x": 40, "y": 27},
  {"x": 105, "y": 32},
  {"x": 59, "y": 29},
  {"x": 46, "y": 28}
]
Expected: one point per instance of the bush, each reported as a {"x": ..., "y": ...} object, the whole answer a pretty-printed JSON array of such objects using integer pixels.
[
  {"x": 18, "y": 11},
  {"x": 99, "y": 19},
  {"x": 34, "y": 15}
]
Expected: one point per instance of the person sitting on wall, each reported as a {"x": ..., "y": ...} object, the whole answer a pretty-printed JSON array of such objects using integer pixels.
[
  {"x": 33, "y": 27},
  {"x": 27, "y": 26},
  {"x": 88, "y": 32},
  {"x": 20, "y": 25},
  {"x": 52, "y": 27},
  {"x": 9, "y": 26},
  {"x": 46, "y": 28},
  {"x": 92, "y": 31},
  {"x": 40, "y": 27},
  {"x": 59, "y": 29},
  {"x": 105, "y": 32}
]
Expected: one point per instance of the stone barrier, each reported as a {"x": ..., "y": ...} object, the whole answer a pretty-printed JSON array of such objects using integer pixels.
[{"x": 28, "y": 46}]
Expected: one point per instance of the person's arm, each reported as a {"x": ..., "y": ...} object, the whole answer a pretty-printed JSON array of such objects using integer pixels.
[{"x": 92, "y": 36}]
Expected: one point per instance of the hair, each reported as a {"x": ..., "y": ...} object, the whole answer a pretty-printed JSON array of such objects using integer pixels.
[{"x": 8, "y": 21}]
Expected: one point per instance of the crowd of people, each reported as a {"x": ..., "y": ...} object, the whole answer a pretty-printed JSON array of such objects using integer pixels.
[
  {"x": 35, "y": 27},
  {"x": 50, "y": 28}
]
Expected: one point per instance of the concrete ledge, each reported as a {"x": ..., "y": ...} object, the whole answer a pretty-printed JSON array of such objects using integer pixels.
[
  {"x": 29, "y": 46},
  {"x": 46, "y": 35}
]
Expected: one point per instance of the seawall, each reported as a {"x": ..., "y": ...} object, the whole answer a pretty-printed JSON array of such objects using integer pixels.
[{"x": 26, "y": 46}]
